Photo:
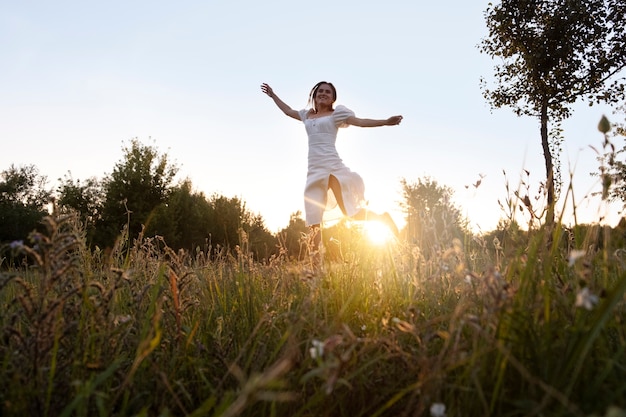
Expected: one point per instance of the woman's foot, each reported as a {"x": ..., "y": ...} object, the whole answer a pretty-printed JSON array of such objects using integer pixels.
[
  {"x": 388, "y": 221},
  {"x": 384, "y": 218}
]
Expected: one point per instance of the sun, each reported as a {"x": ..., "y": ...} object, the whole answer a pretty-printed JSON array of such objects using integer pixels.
[{"x": 377, "y": 233}]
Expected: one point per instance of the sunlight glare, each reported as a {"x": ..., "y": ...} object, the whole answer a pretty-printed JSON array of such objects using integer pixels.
[{"x": 377, "y": 233}]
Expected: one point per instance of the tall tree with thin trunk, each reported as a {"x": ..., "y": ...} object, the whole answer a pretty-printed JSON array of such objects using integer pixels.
[{"x": 553, "y": 53}]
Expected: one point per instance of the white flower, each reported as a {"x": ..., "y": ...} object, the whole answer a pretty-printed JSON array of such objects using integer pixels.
[
  {"x": 317, "y": 350},
  {"x": 121, "y": 320},
  {"x": 438, "y": 410},
  {"x": 586, "y": 299},
  {"x": 574, "y": 255}
]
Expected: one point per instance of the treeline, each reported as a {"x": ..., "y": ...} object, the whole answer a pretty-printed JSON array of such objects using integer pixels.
[{"x": 140, "y": 198}]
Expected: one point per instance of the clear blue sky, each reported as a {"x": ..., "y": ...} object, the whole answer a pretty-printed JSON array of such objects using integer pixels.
[{"x": 79, "y": 79}]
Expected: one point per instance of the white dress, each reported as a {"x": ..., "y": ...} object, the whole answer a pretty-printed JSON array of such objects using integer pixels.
[{"x": 324, "y": 161}]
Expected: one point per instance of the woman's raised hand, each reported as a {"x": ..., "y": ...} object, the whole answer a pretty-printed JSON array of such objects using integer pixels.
[
  {"x": 394, "y": 120},
  {"x": 267, "y": 90}
]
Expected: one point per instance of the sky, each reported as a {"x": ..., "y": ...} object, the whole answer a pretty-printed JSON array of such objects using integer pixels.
[{"x": 80, "y": 79}]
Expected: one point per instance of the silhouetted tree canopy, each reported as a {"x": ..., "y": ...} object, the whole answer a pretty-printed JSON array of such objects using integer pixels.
[
  {"x": 85, "y": 198},
  {"x": 184, "y": 219},
  {"x": 23, "y": 201},
  {"x": 139, "y": 183},
  {"x": 232, "y": 225}
]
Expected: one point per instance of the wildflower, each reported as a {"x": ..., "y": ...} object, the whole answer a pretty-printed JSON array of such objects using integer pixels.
[
  {"x": 586, "y": 299},
  {"x": 438, "y": 410},
  {"x": 317, "y": 350},
  {"x": 574, "y": 256},
  {"x": 16, "y": 244}
]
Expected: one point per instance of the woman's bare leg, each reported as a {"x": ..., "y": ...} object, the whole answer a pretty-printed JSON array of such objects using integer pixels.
[
  {"x": 363, "y": 214},
  {"x": 333, "y": 184},
  {"x": 385, "y": 218}
]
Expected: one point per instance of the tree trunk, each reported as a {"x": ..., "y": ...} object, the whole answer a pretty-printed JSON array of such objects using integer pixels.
[{"x": 547, "y": 156}]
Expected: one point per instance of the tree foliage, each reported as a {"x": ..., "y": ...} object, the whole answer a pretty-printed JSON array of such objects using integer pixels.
[
  {"x": 232, "y": 224},
  {"x": 432, "y": 220},
  {"x": 189, "y": 220},
  {"x": 553, "y": 53},
  {"x": 86, "y": 198},
  {"x": 23, "y": 200},
  {"x": 139, "y": 183},
  {"x": 184, "y": 220},
  {"x": 613, "y": 168},
  {"x": 138, "y": 195}
]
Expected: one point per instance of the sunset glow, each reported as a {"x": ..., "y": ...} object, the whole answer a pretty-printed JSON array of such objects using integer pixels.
[{"x": 377, "y": 233}]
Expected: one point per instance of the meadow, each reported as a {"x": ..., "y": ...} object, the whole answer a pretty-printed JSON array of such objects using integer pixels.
[
  {"x": 517, "y": 322},
  {"x": 527, "y": 324}
]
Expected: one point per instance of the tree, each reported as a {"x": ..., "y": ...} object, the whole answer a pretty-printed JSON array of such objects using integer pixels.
[
  {"x": 23, "y": 201},
  {"x": 188, "y": 220},
  {"x": 85, "y": 198},
  {"x": 432, "y": 220},
  {"x": 233, "y": 224},
  {"x": 555, "y": 52},
  {"x": 139, "y": 183},
  {"x": 261, "y": 243},
  {"x": 613, "y": 165},
  {"x": 184, "y": 220}
]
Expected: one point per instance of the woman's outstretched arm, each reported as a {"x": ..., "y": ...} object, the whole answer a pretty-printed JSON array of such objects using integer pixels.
[
  {"x": 392, "y": 121},
  {"x": 281, "y": 104}
]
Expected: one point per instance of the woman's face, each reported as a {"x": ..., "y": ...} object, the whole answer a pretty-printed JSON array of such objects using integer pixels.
[{"x": 324, "y": 96}]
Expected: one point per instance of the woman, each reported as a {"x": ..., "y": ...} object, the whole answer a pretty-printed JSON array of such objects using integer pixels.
[{"x": 326, "y": 171}]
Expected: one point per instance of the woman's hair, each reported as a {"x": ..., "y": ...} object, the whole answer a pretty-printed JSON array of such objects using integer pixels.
[{"x": 314, "y": 93}]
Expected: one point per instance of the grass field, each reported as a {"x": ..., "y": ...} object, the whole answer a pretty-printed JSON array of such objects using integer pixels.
[{"x": 531, "y": 327}]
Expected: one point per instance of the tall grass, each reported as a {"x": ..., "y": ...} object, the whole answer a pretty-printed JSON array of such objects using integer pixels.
[{"x": 535, "y": 328}]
